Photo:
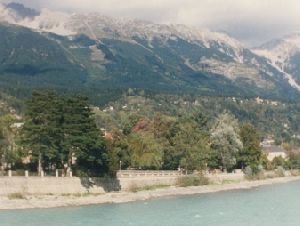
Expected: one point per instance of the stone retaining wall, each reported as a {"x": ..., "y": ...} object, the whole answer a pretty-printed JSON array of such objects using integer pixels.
[
  {"x": 54, "y": 185},
  {"x": 75, "y": 185}
]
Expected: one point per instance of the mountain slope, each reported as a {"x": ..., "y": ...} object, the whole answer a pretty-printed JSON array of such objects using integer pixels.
[
  {"x": 92, "y": 52},
  {"x": 33, "y": 60},
  {"x": 284, "y": 54}
]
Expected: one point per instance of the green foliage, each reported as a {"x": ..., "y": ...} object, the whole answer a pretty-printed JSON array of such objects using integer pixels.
[
  {"x": 151, "y": 132},
  {"x": 251, "y": 153},
  {"x": 41, "y": 128},
  {"x": 191, "y": 143},
  {"x": 134, "y": 188},
  {"x": 80, "y": 137},
  {"x": 145, "y": 151},
  {"x": 129, "y": 122},
  {"x": 58, "y": 129},
  {"x": 45, "y": 60},
  {"x": 256, "y": 174},
  {"x": 279, "y": 171},
  {"x": 118, "y": 154},
  {"x": 186, "y": 181},
  {"x": 8, "y": 152},
  {"x": 278, "y": 161},
  {"x": 226, "y": 140},
  {"x": 293, "y": 160},
  {"x": 13, "y": 196}
]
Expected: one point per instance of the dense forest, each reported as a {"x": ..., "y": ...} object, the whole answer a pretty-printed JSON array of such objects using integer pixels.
[{"x": 143, "y": 131}]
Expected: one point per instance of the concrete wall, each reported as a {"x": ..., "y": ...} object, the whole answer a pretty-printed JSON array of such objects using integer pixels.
[
  {"x": 75, "y": 185},
  {"x": 148, "y": 173},
  {"x": 53, "y": 185}
]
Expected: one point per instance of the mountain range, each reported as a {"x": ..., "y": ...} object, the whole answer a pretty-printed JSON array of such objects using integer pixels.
[{"x": 92, "y": 53}]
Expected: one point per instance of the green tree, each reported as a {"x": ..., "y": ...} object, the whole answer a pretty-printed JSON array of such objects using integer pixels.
[
  {"x": 145, "y": 151},
  {"x": 129, "y": 122},
  {"x": 81, "y": 139},
  {"x": 278, "y": 161},
  {"x": 250, "y": 154},
  {"x": 8, "y": 153},
  {"x": 191, "y": 144},
  {"x": 293, "y": 160},
  {"x": 226, "y": 140},
  {"x": 40, "y": 128},
  {"x": 118, "y": 153},
  {"x": 61, "y": 131}
]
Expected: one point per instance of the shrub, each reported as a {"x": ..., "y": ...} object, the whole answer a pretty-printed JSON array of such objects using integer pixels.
[
  {"x": 278, "y": 161},
  {"x": 248, "y": 173},
  {"x": 133, "y": 188},
  {"x": 185, "y": 181},
  {"x": 257, "y": 174},
  {"x": 16, "y": 196},
  {"x": 279, "y": 171},
  {"x": 295, "y": 173}
]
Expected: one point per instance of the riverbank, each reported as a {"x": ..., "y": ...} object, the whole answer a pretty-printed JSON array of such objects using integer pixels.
[{"x": 51, "y": 201}]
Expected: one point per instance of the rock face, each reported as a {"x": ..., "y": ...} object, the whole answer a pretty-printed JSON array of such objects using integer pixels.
[
  {"x": 284, "y": 54},
  {"x": 123, "y": 53}
]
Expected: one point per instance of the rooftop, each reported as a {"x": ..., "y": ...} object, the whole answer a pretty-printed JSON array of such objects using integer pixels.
[{"x": 273, "y": 149}]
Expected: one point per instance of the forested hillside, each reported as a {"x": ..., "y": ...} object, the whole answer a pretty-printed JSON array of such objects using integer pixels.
[
  {"x": 108, "y": 67},
  {"x": 145, "y": 132}
]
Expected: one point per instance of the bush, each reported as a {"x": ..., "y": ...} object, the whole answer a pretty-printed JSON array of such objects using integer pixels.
[
  {"x": 248, "y": 173},
  {"x": 134, "y": 188},
  {"x": 279, "y": 171},
  {"x": 257, "y": 174},
  {"x": 16, "y": 196},
  {"x": 295, "y": 173},
  {"x": 185, "y": 181},
  {"x": 278, "y": 161}
]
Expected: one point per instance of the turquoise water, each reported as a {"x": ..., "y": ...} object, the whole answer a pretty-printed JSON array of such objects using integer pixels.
[{"x": 270, "y": 205}]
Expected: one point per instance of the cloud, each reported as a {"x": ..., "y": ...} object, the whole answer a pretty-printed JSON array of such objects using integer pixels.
[{"x": 249, "y": 20}]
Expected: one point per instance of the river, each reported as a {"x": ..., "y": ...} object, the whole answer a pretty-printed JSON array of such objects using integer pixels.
[{"x": 276, "y": 205}]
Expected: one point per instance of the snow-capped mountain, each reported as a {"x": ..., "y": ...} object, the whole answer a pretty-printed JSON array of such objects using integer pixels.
[
  {"x": 157, "y": 56},
  {"x": 280, "y": 50},
  {"x": 97, "y": 26},
  {"x": 284, "y": 54}
]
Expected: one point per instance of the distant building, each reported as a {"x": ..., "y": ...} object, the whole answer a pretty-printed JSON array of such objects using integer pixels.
[
  {"x": 271, "y": 150},
  {"x": 17, "y": 125},
  {"x": 274, "y": 151},
  {"x": 268, "y": 141},
  {"x": 259, "y": 100}
]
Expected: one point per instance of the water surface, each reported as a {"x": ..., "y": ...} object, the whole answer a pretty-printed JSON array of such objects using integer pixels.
[{"x": 276, "y": 205}]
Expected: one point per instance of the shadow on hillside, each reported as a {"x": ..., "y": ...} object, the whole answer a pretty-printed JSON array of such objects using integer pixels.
[{"x": 108, "y": 184}]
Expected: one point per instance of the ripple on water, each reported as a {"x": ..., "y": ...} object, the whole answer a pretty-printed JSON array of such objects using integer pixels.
[{"x": 274, "y": 205}]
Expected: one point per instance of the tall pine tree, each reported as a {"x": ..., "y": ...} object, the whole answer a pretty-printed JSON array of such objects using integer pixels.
[
  {"x": 40, "y": 128},
  {"x": 60, "y": 131},
  {"x": 81, "y": 138}
]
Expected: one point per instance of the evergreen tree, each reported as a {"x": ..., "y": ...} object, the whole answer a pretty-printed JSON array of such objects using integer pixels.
[
  {"x": 250, "y": 154},
  {"x": 60, "y": 131},
  {"x": 7, "y": 152},
  {"x": 40, "y": 128},
  {"x": 81, "y": 138},
  {"x": 118, "y": 154}
]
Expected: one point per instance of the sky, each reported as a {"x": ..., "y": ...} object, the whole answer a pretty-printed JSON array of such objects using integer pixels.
[{"x": 251, "y": 21}]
